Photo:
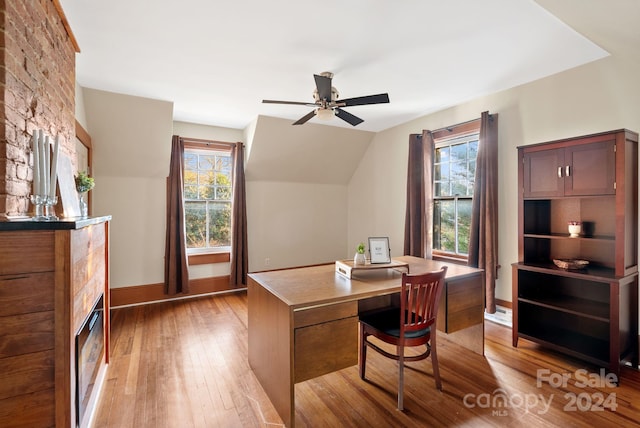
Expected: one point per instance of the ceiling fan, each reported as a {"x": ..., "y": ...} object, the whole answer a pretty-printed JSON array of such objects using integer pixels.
[{"x": 327, "y": 104}]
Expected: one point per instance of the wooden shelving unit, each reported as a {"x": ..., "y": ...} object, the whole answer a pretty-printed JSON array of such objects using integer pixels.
[{"x": 590, "y": 313}]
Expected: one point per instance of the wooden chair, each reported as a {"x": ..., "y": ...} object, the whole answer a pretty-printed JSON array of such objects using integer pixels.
[{"x": 412, "y": 324}]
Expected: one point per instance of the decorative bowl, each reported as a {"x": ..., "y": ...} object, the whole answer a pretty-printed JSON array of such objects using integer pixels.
[{"x": 571, "y": 264}]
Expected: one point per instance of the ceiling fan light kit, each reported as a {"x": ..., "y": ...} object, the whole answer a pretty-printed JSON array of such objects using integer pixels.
[
  {"x": 327, "y": 103},
  {"x": 325, "y": 113}
]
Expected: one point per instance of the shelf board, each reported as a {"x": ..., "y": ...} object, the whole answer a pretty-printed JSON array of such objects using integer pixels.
[
  {"x": 595, "y": 238},
  {"x": 580, "y": 307},
  {"x": 591, "y": 273},
  {"x": 570, "y": 342}
]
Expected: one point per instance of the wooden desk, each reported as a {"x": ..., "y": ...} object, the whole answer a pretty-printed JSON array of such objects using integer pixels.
[{"x": 303, "y": 323}]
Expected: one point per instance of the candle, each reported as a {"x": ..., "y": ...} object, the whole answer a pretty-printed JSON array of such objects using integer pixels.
[
  {"x": 42, "y": 190},
  {"x": 44, "y": 176},
  {"x": 36, "y": 163},
  {"x": 54, "y": 167}
]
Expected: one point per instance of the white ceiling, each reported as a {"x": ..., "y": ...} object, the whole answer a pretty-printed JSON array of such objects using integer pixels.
[{"x": 217, "y": 60}]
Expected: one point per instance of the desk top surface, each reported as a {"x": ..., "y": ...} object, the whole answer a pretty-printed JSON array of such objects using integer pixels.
[{"x": 318, "y": 285}]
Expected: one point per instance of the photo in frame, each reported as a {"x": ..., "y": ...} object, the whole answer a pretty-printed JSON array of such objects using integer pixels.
[{"x": 379, "y": 250}]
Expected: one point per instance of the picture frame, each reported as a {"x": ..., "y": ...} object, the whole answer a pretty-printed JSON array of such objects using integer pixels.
[
  {"x": 379, "y": 249},
  {"x": 68, "y": 192}
]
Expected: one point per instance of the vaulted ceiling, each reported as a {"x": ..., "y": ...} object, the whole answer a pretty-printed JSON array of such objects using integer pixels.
[{"x": 216, "y": 61}]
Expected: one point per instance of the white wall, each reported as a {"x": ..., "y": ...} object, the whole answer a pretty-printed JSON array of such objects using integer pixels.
[
  {"x": 597, "y": 97},
  {"x": 295, "y": 224},
  {"x": 131, "y": 138}
]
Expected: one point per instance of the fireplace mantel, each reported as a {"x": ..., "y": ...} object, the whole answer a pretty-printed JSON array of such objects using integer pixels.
[{"x": 51, "y": 274}]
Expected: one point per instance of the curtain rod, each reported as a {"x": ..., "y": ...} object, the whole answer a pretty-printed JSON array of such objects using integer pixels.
[
  {"x": 203, "y": 142},
  {"x": 452, "y": 127}
]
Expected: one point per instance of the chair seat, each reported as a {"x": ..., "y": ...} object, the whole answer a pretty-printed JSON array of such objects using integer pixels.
[{"x": 388, "y": 322}]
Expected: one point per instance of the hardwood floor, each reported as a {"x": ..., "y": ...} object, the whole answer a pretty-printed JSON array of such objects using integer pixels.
[{"x": 184, "y": 364}]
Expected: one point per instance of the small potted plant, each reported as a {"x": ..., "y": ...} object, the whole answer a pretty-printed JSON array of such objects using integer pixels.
[
  {"x": 359, "y": 258},
  {"x": 84, "y": 183}
]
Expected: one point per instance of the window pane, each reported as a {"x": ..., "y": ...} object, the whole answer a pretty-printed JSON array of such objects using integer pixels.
[
  {"x": 443, "y": 188},
  {"x": 223, "y": 193},
  {"x": 459, "y": 188},
  {"x": 459, "y": 153},
  {"x": 473, "y": 149},
  {"x": 223, "y": 164},
  {"x": 464, "y": 225},
  {"x": 442, "y": 154},
  {"x": 223, "y": 179},
  {"x": 472, "y": 169},
  {"x": 196, "y": 224},
  {"x": 442, "y": 171},
  {"x": 190, "y": 178},
  {"x": 458, "y": 170},
  {"x": 444, "y": 233},
  {"x": 220, "y": 224},
  {"x": 190, "y": 192},
  {"x": 190, "y": 161},
  {"x": 205, "y": 188},
  {"x": 206, "y": 162}
]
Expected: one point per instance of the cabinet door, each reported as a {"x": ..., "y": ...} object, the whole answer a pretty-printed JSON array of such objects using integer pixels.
[
  {"x": 591, "y": 169},
  {"x": 543, "y": 173}
]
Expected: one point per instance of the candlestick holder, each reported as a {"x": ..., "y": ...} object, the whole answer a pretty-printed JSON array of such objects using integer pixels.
[
  {"x": 38, "y": 204},
  {"x": 49, "y": 210},
  {"x": 43, "y": 208}
]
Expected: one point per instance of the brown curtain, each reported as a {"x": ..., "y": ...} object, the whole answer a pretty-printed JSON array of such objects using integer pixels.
[
  {"x": 239, "y": 253},
  {"x": 483, "y": 240},
  {"x": 176, "y": 274},
  {"x": 418, "y": 224}
]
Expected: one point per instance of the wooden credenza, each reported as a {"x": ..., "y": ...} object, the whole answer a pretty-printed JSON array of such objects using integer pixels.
[{"x": 51, "y": 274}]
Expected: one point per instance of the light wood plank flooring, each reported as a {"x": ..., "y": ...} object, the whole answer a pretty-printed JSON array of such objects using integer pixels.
[{"x": 184, "y": 364}]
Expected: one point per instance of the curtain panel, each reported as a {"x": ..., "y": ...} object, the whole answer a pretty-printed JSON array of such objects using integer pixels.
[
  {"x": 483, "y": 240},
  {"x": 418, "y": 225},
  {"x": 176, "y": 273},
  {"x": 239, "y": 249}
]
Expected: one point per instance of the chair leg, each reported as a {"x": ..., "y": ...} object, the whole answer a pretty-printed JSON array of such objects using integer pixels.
[
  {"x": 434, "y": 362},
  {"x": 362, "y": 355},
  {"x": 400, "y": 377}
]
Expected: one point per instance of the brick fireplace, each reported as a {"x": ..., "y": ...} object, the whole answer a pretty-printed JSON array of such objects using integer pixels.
[{"x": 37, "y": 88}]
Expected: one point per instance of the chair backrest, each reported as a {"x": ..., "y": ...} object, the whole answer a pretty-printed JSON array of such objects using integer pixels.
[{"x": 420, "y": 298}]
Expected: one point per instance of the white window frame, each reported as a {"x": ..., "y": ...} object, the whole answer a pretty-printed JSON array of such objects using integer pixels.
[
  {"x": 444, "y": 142},
  {"x": 208, "y": 151}
]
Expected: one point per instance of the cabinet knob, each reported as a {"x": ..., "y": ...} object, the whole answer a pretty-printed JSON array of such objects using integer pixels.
[
  {"x": 567, "y": 170},
  {"x": 559, "y": 172}
]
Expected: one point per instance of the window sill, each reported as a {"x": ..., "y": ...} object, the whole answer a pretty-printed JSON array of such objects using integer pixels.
[
  {"x": 208, "y": 258},
  {"x": 450, "y": 258}
]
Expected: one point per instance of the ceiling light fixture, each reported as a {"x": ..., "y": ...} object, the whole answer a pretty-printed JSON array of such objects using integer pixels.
[{"x": 325, "y": 113}]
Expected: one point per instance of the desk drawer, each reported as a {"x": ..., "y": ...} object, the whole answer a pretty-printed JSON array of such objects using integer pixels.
[
  {"x": 320, "y": 314},
  {"x": 325, "y": 348}
]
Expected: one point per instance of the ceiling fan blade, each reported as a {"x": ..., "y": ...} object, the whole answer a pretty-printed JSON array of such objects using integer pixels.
[
  {"x": 360, "y": 101},
  {"x": 305, "y": 118},
  {"x": 348, "y": 117},
  {"x": 323, "y": 84},
  {"x": 298, "y": 103}
]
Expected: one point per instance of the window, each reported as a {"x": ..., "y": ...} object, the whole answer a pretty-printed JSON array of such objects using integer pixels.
[
  {"x": 207, "y": 199},
  {"x": 454, "y": 175}
]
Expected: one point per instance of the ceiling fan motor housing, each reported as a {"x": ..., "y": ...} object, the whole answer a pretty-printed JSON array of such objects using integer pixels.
[{"x": 334, "y": 95}]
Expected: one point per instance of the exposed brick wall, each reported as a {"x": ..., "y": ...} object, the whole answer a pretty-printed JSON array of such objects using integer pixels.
[{"x": 37, "y": 90}]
